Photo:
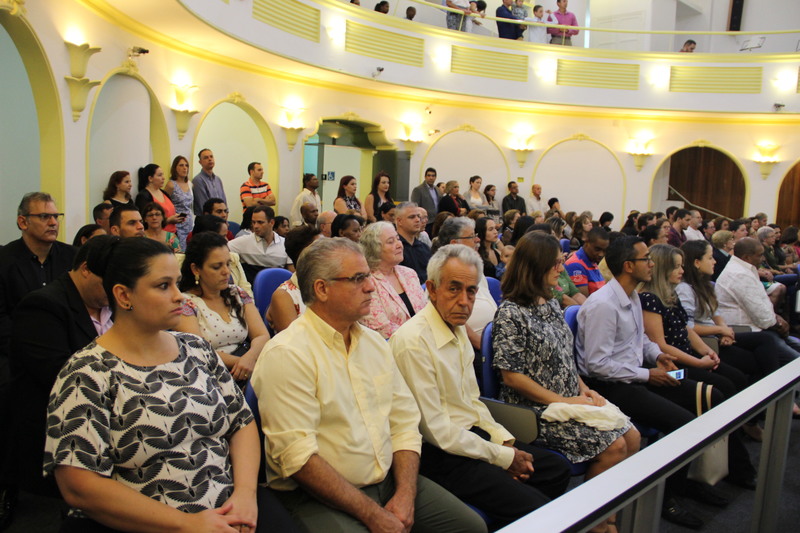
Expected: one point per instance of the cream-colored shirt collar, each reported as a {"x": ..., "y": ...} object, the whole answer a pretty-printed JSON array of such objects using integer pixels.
[
  {"x": 442, "y": 334},
  {"x": 332, "y": 338}
]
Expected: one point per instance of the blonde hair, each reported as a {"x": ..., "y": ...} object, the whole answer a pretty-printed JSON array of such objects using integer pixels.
[{"x": 663, "y": 256}]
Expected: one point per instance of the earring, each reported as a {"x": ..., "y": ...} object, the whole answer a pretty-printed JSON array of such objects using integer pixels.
[
  {"x": 129, "y": 308},
  {"x": 197, "y": 279}
]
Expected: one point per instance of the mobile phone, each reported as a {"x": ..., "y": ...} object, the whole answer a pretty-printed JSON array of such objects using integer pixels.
[
  {"x": 677, "y": 374},
  {"x": 184, "y": 215}
]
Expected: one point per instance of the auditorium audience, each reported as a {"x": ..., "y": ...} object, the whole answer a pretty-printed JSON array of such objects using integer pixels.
[
  {"x": 475, "y": 198},
  {"x": 533, "y": 350},
  {"x": 513, "y": 201},
  {"x": 221, "y": 313},
  {"x": 343, "y": 442},
  {"x": 347, "y": 226},
  {"x": 325, "y": 222},
  {"x": 287, "y": 303},
  {"x": 281, "y": 226},
  {"x": 387, "y": 212},
  {"x": 118, "y": 190},
  {"x": 151, "y": 183},
  {"x": 126, "y": 221},
  {"x": 87, "y": 232},
  {"x": 437, "y": 223},
  {"x": 72, "y": 310},
  {"x": 677, "y": 231},
  {"x": 452, "y": 200},
  {"x": 488, "y": 249},
  {"x": 101, "y": 213},
  {"x": 207, "y": 185},
  {"x": 180, "y": 192},
  {"x": 308, "y": 195},
  {"x": 464, "y": 449},
  {"x": 155, "y": 222},
  {"x": 378, "y": 195},
  {"x": 264, "y": 248},
  {"x": 582, "y": 265},
  {"x": 218, "y": 208},
  {"x": 580, "y": 229},
  {"x": 140, "y": 278},
  {"x": 398, "y": 295},
  {"x": 415, "y": 254},
  {"x": 346, "y": 198}
]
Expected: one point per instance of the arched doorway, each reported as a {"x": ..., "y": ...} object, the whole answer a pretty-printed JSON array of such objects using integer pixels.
[
  {"x": 789, "y": 198},
  {"x": 701, "y": 177}
]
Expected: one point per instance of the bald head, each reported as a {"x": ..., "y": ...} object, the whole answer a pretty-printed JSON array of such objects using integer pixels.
[
  {"x": 749, "y": 250},
  {"x": 324, "y": 222}
]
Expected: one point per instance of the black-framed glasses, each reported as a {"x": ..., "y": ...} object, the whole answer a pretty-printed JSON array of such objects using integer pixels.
[
  {"x": 470, "y": 237},
  {"x": 44, "y": 217},
  {"x": 646, "y": 259},
  {"x": 358, "y": 279}
]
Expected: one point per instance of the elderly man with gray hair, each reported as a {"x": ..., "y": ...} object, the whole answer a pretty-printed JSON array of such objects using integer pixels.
[
  {"x": 464, "y": 449},
  {"x": 341, "y": 426}
]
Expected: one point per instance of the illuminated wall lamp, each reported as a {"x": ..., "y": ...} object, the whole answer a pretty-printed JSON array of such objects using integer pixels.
[
  {"x": 522, "y": 149},
  {"x": 183, "y": 108},
  {"x": 640, "y": 151},
  {"x": 79, "y": 85},
  {"x": 766, "y": 157},
  {"x": 411, "y": 138},
  {"x": 292, "y": 126}
]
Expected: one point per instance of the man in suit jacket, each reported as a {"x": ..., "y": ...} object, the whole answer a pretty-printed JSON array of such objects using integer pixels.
[
  {"x": 49, "y": 325},
  {"x": 26, "y": 264},
  {"x": 426, "y": 195}
]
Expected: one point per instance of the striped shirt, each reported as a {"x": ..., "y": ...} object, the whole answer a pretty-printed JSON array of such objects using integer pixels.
[{"x": 251, "y": 190}]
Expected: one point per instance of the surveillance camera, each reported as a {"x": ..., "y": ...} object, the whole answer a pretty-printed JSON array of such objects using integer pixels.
[
  {"x": 428, "y": 110},
  {"x": 136, "y": 51},
  {"x": 778, "y": 106},
  {"x": 378, "y": 72},
  {"x": 380, "y": 69}
]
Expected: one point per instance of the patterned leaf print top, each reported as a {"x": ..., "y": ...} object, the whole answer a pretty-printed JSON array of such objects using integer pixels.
[{"x": 161, "y": 430}]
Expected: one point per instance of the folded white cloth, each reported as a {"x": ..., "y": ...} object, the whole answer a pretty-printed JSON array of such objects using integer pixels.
[{"x": 606, "y": 418}]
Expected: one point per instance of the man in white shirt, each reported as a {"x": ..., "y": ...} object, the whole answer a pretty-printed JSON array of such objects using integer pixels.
[
  {"x": 263, "y": 248},
  {"x": 464, "y": 449},
  {"x": 693, "y": 232},
  {"x": 535, "y": 202},
  {"x": 308, "y": 195},
  {"x": 341, "y": 425},
  {"x": 742, "y": 298}
]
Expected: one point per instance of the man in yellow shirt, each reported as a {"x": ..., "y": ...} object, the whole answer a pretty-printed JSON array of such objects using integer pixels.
[
  {"x": 465, "y": 450},
  {"x": 341, "y": 425}
]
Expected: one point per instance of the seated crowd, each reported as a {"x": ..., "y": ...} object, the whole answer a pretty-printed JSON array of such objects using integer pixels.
[{"x": 145, "y": 400}]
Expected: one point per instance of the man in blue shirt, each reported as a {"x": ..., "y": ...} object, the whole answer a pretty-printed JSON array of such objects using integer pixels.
[
  {"x": 507, "y": 30},
  {"x": 206, "y": 184}
]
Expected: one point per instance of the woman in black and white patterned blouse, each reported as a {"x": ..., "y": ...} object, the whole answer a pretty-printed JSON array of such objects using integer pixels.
[{"x": 146, "y": 429}]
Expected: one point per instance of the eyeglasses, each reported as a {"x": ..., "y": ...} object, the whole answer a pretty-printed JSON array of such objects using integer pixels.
[
  {"x": 358, "y": 279},
  {"x": 647, "y": 259},
  {"x": 45, "y": 217},
  {"x": 470, "y": 237}
]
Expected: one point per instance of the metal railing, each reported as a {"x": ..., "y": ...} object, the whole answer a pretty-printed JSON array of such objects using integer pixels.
[
  {"x": 693, "y": 205},
  {"x": 635, "y": 487}
]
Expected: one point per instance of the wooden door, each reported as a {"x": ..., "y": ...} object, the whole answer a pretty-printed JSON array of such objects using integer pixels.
[{"x": 708, "y": 178}]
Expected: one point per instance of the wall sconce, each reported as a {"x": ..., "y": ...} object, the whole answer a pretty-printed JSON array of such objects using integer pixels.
[
  {"x": 292, "y": 134},
  {"x": 640, "y": 150},
  {"x": 786, "y": 80},
  {"x": 292, "y": 124},
  {"x": 412, "y": 134},
  {"x": 521, "y": 143},
  {"x": 182, "y": 118},
  {"x": 766, "y": 157},
  {"x": 182, "y": 107},
  {"x": 79, "y": 85}
]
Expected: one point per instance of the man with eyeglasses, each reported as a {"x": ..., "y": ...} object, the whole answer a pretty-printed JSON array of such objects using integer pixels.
[
  {"x": 26, "y": 264},
  {"x": 616, "y": 359},
  {"x": 415, "y": 254},
  {"x": 341, "y": 425}
]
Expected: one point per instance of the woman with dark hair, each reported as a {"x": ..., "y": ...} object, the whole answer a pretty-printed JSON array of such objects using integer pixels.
[
  {"x": 87, "y": 232},
  {"x": 287, "y": 303},
  {"x": 179, "y": 189},
  {"x": 118, "y": 191},
  {"x": 790, "y": 242},
  {"x": 387, "y": 213},
  {"x": 245, "y": 228},
  {"x": 346, "y": 199},
  {"x": 629, "y": 228},
  {"x": 606, "y": 218},
  {"x": 172, "y": 390},
  {"x": 523, "y": 224},
  {"x": 154, "y": 223},
  {"x": 580, "y": 229},
  {"x": 653, "y": 235},
  {"x": 210, "y": 223},
  {"x": 378, "y": 195},
  {"x": 221, "y": 313},
  {"x": 452, "y": 200},
  {"x": 493, "y": 206},
  {"x": 533, "y": 352},
  {"x": 722, "y": 223},
  {"x": 151, "y": 183},
  {"x": 754, "y": 353},
  {"x": 510, "y": 219},
  {"x": 347, "y": 226},
  {"x": 475, "y": 198},
  {"x": 486, "y": 231},
  {"x": 281, "y": 225}
]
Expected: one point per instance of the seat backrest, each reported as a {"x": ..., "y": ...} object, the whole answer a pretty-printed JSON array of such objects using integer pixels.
[
  {"x": 494, "y": 288},
  {"x": 252, "y": 402},
  {"x": 265, "y": 284},
  {"x": 489, "y": 383},
  {"x": 571, "y": 318},
  {"x": 565, "y": 247}
]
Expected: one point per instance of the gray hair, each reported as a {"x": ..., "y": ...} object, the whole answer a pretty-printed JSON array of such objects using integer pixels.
[
  {"x": 25, "y": 205},
  {"x": 371, "y": 243},
  {"x": 764, "y": 233},
  {"x": 452, "y": 229},
  {"x": 319, "y": 261},
  {"x": 400, "y": 208},
  {"x": 465, "y": 254}
]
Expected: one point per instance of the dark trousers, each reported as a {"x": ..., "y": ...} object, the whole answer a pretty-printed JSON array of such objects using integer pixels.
[
  {"x": 490, "y": 488},
  {"x": 766, "y": 348}
]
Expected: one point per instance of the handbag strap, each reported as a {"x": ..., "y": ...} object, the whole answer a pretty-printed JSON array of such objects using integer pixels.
[{"x": 699, "y": 397}]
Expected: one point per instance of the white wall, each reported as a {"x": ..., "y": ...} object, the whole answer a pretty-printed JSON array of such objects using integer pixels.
[
  {"x": 120, "y": 122},
  {"x": 462, "y": 154},
  {"x": 343, "y": 161},
  {"x": 19, "y": 137}
]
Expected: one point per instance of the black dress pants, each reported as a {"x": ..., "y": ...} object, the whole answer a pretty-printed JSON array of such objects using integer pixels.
[{"x": 490, "y": 488}]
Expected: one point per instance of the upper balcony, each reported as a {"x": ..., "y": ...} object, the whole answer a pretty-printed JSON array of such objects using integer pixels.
[{"x": 612, "y": 65}]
